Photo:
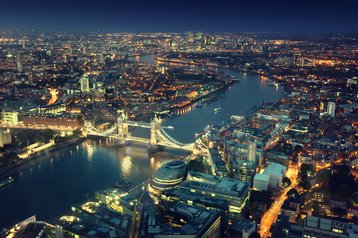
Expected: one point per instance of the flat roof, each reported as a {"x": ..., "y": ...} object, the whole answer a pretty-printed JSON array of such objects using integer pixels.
[{"x": 262, "y": 177}]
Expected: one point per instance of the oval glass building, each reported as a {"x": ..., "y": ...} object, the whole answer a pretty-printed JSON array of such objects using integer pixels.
[{"x": 169, "y": 175}]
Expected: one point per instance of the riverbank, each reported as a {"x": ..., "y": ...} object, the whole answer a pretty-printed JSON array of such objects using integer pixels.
[
  {"x": 148, "y": 116},
  {"x": 6, "y": 172}
]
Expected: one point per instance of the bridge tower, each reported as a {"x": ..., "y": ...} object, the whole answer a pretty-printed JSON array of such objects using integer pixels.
[
  {"x": 122, "y": 125},
  {"x": 86, "y": 127},
  {"x": 155, "y": 127}
]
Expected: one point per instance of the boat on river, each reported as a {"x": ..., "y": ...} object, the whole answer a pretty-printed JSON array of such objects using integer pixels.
[
  {"x": 7, "y": 181},
  {"x": 216, "y": 110}
]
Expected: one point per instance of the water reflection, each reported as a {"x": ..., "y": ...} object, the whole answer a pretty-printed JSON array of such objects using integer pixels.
[
  {"x": 152, "y": 162},
  {"x": 126, "y": 165},
  {"x": 184, "y": 110},
  {"x": 90, "y": 151}
]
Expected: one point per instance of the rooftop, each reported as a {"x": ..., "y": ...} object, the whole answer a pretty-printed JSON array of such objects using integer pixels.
[{"x": 231, "y": 187}]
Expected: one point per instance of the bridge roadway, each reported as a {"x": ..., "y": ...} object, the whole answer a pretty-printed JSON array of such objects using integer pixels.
[
  {"x": 137, "y": 139},
  {"x": 144, "y": 125}
]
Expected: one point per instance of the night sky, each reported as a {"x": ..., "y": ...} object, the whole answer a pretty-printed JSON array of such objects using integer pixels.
[{"x": 330, "y": 16}]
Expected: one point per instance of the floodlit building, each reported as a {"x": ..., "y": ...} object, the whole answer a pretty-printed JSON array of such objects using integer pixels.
[
  {"x": 169, "y": 175},
  {"x": 276, "y": 173},
  {"x": 261, "y": 182},
  {"x": 53, "y": 120},
  {"x": 5, "y": 138},
  {"x": 10, "y": 118},
  {"x": 234, "y": 191},
  {"x": 331, "y": 109},
  {"x": 85, "y": 87}
]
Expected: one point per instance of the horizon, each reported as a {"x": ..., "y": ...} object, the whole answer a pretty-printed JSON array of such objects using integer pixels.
[{"x": 229, "y": 16}]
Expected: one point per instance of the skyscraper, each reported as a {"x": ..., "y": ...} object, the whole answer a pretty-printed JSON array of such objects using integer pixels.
[
  {"x": 251, "y": 151},
  {"x": 331, "y": 108},
  {"x": 246, "y": 171},
  {"x": 18, "y": 63},
  {"x": 84, "y": 81}
]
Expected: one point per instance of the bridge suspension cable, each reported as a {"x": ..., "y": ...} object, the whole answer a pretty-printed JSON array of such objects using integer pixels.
[{"x": 170, "y": 139}]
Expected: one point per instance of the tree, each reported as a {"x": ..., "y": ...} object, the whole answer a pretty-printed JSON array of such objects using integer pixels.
[
  {"x": 263, "y": 197},
  {"x": 44, "y": 136},
  {"x": 306, "y": 170},
  {"x": 286, "y": 182},
  {"x": 305, "y": 184},
  {"x": 9, "y": 158},
  {"x": 254, "y": 235},
  {"x": 198, "y": 165},
  {"x": 293, "y": 193}
]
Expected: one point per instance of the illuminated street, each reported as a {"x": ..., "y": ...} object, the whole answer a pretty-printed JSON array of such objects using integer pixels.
[{"x": 271, "y": 215}]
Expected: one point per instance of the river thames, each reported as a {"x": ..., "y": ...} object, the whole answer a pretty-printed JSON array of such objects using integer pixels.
[{"x": 48, "y": 186}]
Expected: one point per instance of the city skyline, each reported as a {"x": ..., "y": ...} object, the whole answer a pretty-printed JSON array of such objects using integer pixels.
[{"x": 157, "y": 16}]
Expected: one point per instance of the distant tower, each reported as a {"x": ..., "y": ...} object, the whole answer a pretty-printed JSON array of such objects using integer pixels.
[
  {"x": 23, "y": 43},
  {"x": 155, "y": 126},
  {"x": 84, "y": 81},
  {"x": 251, "y": 152},
  {"x": 321, "y": 106},
  {"x": 31, "y": 77},
  {"x": 331, "y": 108},
  {"x": 296, "y": 57},
  {"x": 122, "y": 125},
  {"x": 190, "y": 37},
  {"x": 18, "y": 63}
]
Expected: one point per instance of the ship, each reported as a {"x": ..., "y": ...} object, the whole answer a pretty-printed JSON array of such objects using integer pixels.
[
  {"x": 7, "y": 181},
  {"x": 122, "y": 185},
  {"x": 271, "y": 83},
  {"x": 216, "y": 110}
]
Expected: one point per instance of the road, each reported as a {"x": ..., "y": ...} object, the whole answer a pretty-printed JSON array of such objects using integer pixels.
[{"x": 271, "y": 215}]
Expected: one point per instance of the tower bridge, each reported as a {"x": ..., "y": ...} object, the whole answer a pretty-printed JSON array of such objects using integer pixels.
[{"x": 120, "y": 132}]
